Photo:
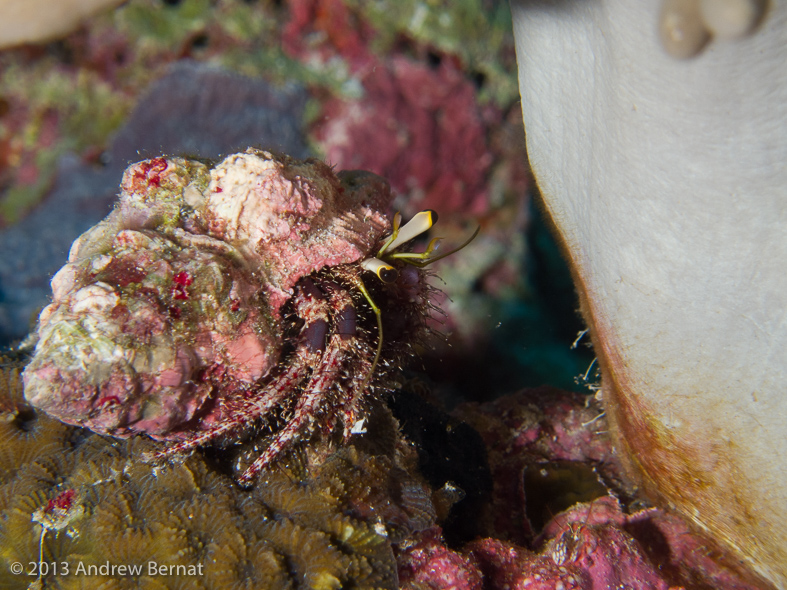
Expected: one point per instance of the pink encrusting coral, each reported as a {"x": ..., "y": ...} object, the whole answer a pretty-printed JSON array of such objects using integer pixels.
[
  {"x": 170, "y": 308},
  {"x": 318, "y": 30},
  {"x": 428, "y": 564},
  {"x": 597, "y": 545}
]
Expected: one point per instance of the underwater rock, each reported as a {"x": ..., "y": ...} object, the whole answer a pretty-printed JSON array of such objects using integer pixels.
[
  {"x": 597, "y": 545},
  {"x": 581, "y": 555},
  {"x": 559, "y": 517},
  {"x": 536, "y": 430},
  {"x": 427, "y": 564},
  {"x": 589, "y": 546}
]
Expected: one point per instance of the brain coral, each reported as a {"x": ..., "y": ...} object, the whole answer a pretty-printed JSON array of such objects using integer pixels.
[{"x": 83, "y": 500}]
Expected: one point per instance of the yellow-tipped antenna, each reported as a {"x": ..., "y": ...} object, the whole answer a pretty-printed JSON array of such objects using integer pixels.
[
  {"x": 397, "y": 221},
  {"x": 378, "y": 314}
]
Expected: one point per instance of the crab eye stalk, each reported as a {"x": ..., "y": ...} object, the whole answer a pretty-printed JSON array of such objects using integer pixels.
[
  {"x": 401, "y": 234},
  {"x": 382, "y": 267},
  {"x": 384, "y": 271}
]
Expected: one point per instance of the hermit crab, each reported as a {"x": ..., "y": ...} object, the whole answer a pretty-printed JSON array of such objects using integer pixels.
[{"x": 263, "y": 289}]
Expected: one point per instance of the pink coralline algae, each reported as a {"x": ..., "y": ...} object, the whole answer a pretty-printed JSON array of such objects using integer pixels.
[
  {"x": 590, "y": 546},
  {"x": 319, "y": 29},
  {"x": 420, "y": 127},
  {"x": 596, "y": 545},
  {"x": 583, "y": 553},
  {"x": 543, "y": 430},
  {"x": 211, "y": 298},
  {"x": 590, "y": 537},
  {"x": 427, "y": 564}
]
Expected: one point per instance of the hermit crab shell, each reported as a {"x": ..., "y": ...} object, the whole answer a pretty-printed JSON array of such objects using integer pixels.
[{"x": 174, "y": 300}]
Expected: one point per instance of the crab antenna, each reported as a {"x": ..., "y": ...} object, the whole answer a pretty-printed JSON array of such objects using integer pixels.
[
  {"x": 379, "y": 317},
  {"x": 465, "y": 243},
  {"x": 427, "y": 261},
  {"x": 420, "y": 223}
]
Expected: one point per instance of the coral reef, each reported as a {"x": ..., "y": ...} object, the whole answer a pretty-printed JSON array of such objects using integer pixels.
[
  {"x": 580, "y": 554},
  {"x": 540, "y": 442},
  {"x": 74, "y": 94},
  {"x": 358, "y": 517},
  {"x": 318, "y": 521},
  {"x": 597, "y": 545},
  {"x": 427, "y": 564}
]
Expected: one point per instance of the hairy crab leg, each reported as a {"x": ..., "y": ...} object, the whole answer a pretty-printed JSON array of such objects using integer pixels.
[
  {"x": 313, "y": 309},
  {"x": 360, "y": 374},
  {"x": 352, "y": 407},
  {"x": 250, "y": 410},
  {"x": 344, "y": 331},
  {"x": 323, "y": 376}
]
